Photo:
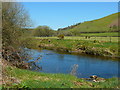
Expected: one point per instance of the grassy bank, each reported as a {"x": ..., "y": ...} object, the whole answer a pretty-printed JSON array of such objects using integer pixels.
[
  {"x": 30, "y": 79},
  {"x": 77, "y": 45}
]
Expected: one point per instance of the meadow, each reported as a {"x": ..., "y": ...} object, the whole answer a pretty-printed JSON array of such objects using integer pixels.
[
  {"x": 107, "y": 34},
  {"x": 107, "y": 39}
]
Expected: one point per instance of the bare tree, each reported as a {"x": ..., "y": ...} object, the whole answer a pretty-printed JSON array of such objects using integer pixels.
[{"x": 14, "y": 19}]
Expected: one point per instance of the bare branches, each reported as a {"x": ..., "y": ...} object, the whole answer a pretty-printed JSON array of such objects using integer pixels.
[{"x": 14, "y": 19}]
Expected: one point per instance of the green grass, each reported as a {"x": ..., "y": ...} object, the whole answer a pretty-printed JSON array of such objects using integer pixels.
[
  {"x": 113, "y": 39},
  {"x": 31, "y": 79},
  {"x": 100, "y": 34},
  {"x": 99, "y": 25},
  {"x": 71, "y": 42}
]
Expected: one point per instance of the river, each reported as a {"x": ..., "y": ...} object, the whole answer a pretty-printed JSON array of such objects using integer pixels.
[{"x": 49, "y": 61}]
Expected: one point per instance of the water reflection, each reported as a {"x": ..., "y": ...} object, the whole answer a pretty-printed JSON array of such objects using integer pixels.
[{"x": 61, "y": 57}]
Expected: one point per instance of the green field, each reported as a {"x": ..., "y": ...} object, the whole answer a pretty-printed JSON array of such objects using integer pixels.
[
  {"x": 112, "y": 39},
  {"x": 115, "y": 34},
  {"x": 30, "y": 79}
]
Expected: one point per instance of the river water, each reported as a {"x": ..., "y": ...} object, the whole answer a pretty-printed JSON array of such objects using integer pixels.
[{"x": 49, "y": 61}]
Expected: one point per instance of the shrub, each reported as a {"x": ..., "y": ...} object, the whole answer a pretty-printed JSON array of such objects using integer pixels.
[{"x": 61, "y": 36}]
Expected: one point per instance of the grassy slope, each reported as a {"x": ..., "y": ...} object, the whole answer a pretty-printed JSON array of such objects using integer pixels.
[
  {"x": 30, "y": 79},
  {"x": 98, "y": 25}
]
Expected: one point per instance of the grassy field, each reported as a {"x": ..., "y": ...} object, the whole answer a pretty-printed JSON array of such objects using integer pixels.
[
  {"x": 29, "y": 79},
  {"x": 100, "y": 34},
  {"x": 112, "y": 39}
]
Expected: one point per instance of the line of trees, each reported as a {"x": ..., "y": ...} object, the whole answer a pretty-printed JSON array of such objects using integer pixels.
[{"x": 69, "y": 27}]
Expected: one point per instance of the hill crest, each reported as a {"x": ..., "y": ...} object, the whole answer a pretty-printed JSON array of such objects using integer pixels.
[{"x": 106, "y": 24}]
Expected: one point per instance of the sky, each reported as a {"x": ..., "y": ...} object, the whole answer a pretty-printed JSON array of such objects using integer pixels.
[
  {"x": 62, "y": 14},
  {"x": 60, "y": 0}
]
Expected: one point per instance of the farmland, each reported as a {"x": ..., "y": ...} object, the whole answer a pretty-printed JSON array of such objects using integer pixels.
[{"x": 107, "y": 39}]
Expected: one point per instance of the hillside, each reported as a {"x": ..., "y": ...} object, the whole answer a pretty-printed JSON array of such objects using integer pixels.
[{"x": 105, "y": 24}]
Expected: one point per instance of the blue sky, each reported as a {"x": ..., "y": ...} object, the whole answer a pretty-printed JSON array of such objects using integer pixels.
[{"x": 62, "y": 14}]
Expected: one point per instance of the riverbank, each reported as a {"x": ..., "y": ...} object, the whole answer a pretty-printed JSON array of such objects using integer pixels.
[
  {"x": 76, "y": 46},
  {"x": 21, "y": 78}
]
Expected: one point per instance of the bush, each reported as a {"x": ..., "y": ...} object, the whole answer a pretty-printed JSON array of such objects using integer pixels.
[{"x": 61, "y": 36}]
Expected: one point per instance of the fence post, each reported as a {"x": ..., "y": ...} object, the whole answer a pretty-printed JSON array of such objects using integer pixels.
[{"x": 110, "y": 38}]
